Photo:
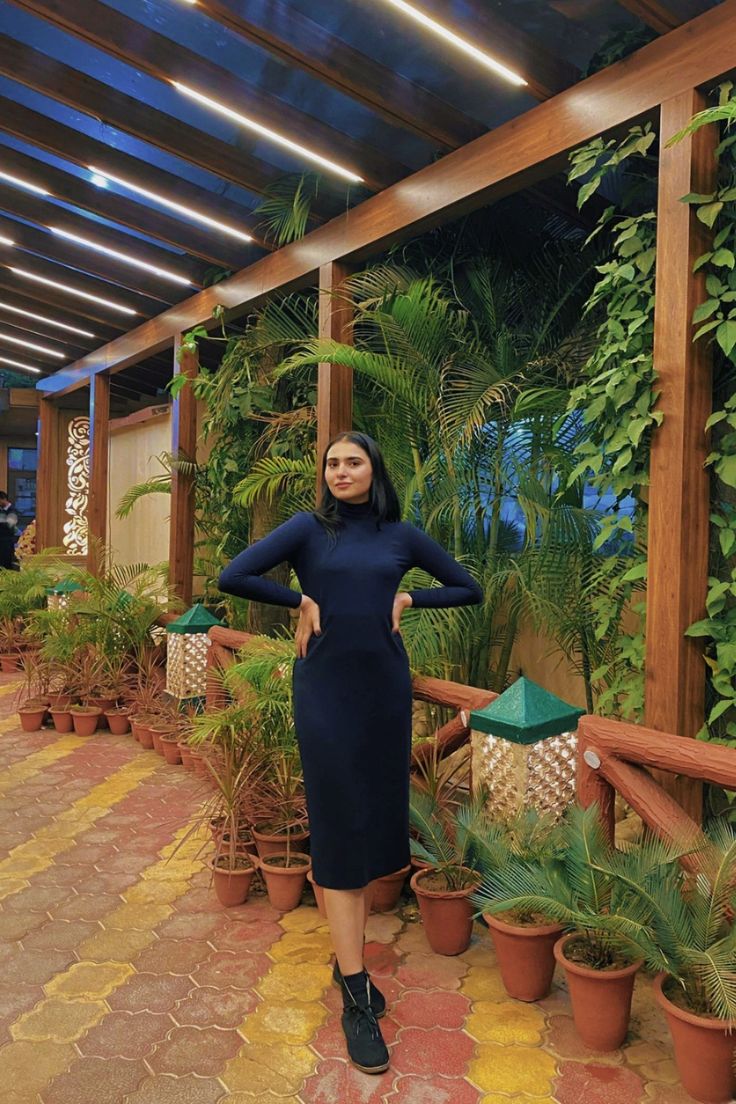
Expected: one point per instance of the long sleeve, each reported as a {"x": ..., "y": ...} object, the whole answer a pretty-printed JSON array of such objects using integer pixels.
[
  {"x": 242, "y": 577},
  {"x": 459, "y": 589}
]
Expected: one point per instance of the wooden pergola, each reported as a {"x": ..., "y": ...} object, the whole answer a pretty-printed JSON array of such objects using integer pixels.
[{"x": 668, "y": 80}]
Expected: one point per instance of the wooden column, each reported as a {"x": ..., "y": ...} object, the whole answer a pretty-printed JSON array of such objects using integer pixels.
[
  {"x": 679, "y": 484},
  {"x": 50, "y": 475},
  {"x": 99, "y": 453},
  {"x": 334, "y": 381},
  {"x": 183, "y": 447}
]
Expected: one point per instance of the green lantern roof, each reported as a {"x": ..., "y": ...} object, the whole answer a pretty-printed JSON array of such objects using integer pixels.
[
  {"x": 195, "y": 620},
  {"x": 525, "y": 713},
  {"x": 64, "y": 586}
]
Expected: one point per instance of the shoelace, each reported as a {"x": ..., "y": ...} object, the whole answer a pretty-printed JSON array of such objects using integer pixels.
[{"x": 365, "y": 1018}]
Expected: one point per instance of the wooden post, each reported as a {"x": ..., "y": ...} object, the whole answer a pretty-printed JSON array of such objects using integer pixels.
[
  {"x": 679, "y": 485},
  {"x": 334, "y": 381},
  {"x": 50, "y": 476},
  {"x": 183, "y": 447},
  {"x": 99, "y": 452}
]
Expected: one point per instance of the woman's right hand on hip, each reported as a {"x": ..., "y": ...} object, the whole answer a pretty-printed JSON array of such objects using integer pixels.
[{"x": 308, "y": 623}]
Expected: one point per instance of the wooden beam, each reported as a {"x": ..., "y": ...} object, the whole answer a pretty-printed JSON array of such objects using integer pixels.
[
  {"x": 679, "y": 492},
  {"x": 334, "y": 381},
  {"x": 183, "y": 447},
  {"x": 48, "y": 301},
  {"x": 660, "y": 16},
  {"x": 99, "y": 455},
  {"x": 333, "y": 61},
  {"x": 516, "y": 155},
  {"x": 213, "y": 247},
  {"x": 49, "y": 477}
]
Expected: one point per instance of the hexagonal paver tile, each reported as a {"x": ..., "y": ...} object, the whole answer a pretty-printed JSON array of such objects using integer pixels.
[
  {"x": 179, "y": 1090},
  {"x": 197, "y": 1050},
  {"x": 115, "y": 946},
  {"x": 33, "y": 1064},
  {"x": 102, "y": 1080},
  {"x": 312, "y": 947},
  {"x": 293, "y": 1023},
  {"x": 260, "y": 935},
  {"x": 278, "y": 1068},
  {"x": 232, "y": 971},
  {"x": 126, "y": 1035},
  {"x": 61, "y": 1021},
  {"x": 173, "y": 956},
  {"x": 336, "y": 1080},
  {"x": 154, "y": 992},
  {"x": 507, "y": 1022},
  {"x": 93, "y": 980},
  {"x": 299, "y": 981},
  {"x": 428, "y": 1008},
  {"x": 420, "y": 971},
  {"x": 210, "y": 1007},
  {"x": 440, "y": 1052},
  {"x": 500, "y": 1069},
  {"x": 60, "y": 935}
]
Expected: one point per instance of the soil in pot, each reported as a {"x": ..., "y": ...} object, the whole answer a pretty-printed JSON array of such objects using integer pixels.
[
  {"x": 118, "y": 721},
  {"x": 232, "y": 886},
  {"x": 62, "y": 720},
  {"x": 32, "y": 717},
  {"x": 170, "y": 749},
  {"x": 269, "y": 842},
  {"x": 86, "y": 719},
  {"x": 446, "y": 913},
  {"x": 601, "y": 999},
  {"x": 704, "y": 1049},
  {"x": 284, "y": 884},
  {"x": 387, "y": 890},
  {"x": 525, "y": 954}
]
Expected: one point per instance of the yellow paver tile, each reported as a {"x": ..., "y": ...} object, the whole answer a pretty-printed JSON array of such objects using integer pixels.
[
  {"x": 665, "y": 1071},
  {"x": 506, "y": 1022},
  {"x": 294, "y": 1023},
  {"x": 35, "y": 762},
  {"x": 33, "y": 1064},
  {"x": 139, "y": 917},
  {"x": 61, "y": 1021},
  {"x": 299, "y": 981},
  {"x": 310, "y": 947},
  {"x": 93, "y": 980},
  {"x": 260, "y": 1067},
  {"x": 483, "y": 983},
  {"x": 115, "y": 945},
  {"x": 155, "y": 893},
  {"x": 10, "y": 885},
  {"x": 500, "y": 1069},
  {"x": 303, "y": 919}
]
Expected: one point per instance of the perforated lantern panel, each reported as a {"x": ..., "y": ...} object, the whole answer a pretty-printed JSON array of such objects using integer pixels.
[
  {"x": 186, "y": 664},
  {"x": 523, "y": 776}
]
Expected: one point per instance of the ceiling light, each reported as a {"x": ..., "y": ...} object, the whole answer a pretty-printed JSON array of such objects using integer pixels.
[
  {"x": 458, "y": 42},
  {"x": 72, "y": 291},
  {"x": 124, "y": 257},
  {"x": 43, "y": 318},
  {"x": 23, "y": 184},
  {"x": 17, "y": 364},
  {"x": 188, "y": 212},
  {"x": 30, "y": 345},
  {"x": 100, "y": 181},
  {"x": 6, "y": 241},
  {"x": 266, "y": 132}
]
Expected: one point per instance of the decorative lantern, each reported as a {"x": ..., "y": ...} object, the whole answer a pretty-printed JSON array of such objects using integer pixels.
[
  {"x": 186, "y": 653},
  {"x": 59, "y": 595},
  {"x": 523, "y": 748}
]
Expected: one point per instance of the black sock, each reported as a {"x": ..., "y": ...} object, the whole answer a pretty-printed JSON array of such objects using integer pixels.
[{"x": 357, "y": 986}]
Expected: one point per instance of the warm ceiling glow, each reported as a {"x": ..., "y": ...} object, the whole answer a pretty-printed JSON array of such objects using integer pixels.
[
  {"x": 30, "y": 345},
  {"x": 23, "y": 184},
  {"x": 72, "y": 291},
  {"x": 6, "y": 241},
  {"x": 266, "y": 132},
  {"x": 458, "y": 42},
  {"x": 43, "y": 318},
  {"x": 124, "y": 257},
  {"x": 17, "y": 364},
  {"x": 180, "y": 208}
]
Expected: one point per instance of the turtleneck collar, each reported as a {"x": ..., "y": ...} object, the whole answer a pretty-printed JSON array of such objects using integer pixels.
[{"x": 354, "y": 509}]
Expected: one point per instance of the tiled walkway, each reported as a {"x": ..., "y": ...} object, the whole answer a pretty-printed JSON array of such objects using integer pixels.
[{"x": 124, "y": 982}]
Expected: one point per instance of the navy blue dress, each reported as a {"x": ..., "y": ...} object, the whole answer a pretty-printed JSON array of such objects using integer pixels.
[{"x": 352, "y": 690}]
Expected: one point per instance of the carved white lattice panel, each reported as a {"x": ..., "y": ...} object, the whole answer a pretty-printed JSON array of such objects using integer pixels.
[
  {"x": 75, "y": 507},
  {"x": 186, "y": 664}
]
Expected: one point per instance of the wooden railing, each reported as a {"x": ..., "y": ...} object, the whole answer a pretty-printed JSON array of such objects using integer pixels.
[{"x": 225, "y": 643}]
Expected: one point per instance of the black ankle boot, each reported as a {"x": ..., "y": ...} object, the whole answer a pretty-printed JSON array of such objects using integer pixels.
[
  {"x": 377, "y": 999},
  {"x": 366, "y": 1048}
]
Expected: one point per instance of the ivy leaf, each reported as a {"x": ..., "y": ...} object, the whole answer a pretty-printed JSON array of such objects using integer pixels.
[
  {"x": 723, "y": 258},
  {"x": 705, "y": 310},
  {"x": 727, "y": 537},
  {"x": 710, "y": 212},
  {"x": 706, "y": 328},
  {"x": 719, "y": 709},
  {"x": 726, "y": 336},
  {"x": 726, "y": 468}
]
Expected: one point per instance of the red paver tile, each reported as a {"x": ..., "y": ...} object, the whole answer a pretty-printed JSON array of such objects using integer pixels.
[
  {"x": 381, "y": 959},
  {"x": 126, "y": 1035},
  {"x": 225, "y": 969},
  {"x": 419, "y": 971},
  {"x": 337, "y": 1081},
  {"x": 36, "y": 898},
  {"x": 155, "y": 992},
  {"x": 98, "y": 1080},
  {"x": 194, "y": 1050},
  {"x": 419, "y": 1090},
  {"x": 86, "y": 906},
  {"x": 15, "y": 925},
  {"x": 428, "y": 1008},
  {"x": 116, "y": 863},
  {"x": 329, "y": 1042},
  {"x": 199, "y": 900},
  {"x": 210, "y": 1007},
  {"x": 172, "y": 956},
  {"x": 597, "y": 1084},
  {"x": 35, "y": 967},
  {"x": 430, "y": 1053},
  {"x": 60, "y": 935},
  {"x": 190, "y": 925},
  {"x": 179, "y": 1090},
  {"x": 107, "y": 883},
  {"x": 257, "y": 936}
]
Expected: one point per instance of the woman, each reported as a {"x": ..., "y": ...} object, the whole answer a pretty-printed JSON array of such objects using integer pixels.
[{"x": 353, "y": 693}]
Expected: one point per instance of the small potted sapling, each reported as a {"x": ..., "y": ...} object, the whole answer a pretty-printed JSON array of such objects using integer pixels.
[{"x": 283, "y": 802}]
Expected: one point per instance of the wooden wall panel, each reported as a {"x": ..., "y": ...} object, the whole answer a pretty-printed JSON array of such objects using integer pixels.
[
  {"x": 184, "y": 447},
  {"x": 99, "y": 458},
  {"x": 51, "y": 475},
  {"x": 334, "y": 381}
]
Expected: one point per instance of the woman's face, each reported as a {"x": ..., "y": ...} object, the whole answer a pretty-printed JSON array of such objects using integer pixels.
[{"x": 348, "y": 472}]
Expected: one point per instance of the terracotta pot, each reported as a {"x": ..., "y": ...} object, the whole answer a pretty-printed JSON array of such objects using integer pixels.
[
  {"x": 60, "y": 701},
  {"x": 387, "y": 890},
  {"x": 269, "y": 844},
  {"x": 601, "y": 999},
  {"x": 104, "y": 704},
  {"x": 446, "y": 914},
  {"x": 319, "y": 895},
  {"x": 145, "y": 736},
  {"x": 62, "y": 720},
  {"x": 156, "y": 735},
  {"x": 232, "y": 886},
  {"x": 186, "y": 755},
  {"x": 170, "y": 749},
  {"x": 525, "y": 954},
  {"x": 118, "y": 722},
  {"x": 199, "y": 763},
  {"x": 32, "y": 718},
  {"x": 85, "y": 724},
  {"x": 9, "y": 663},
  {"x": 704, "y": 1050},
  {"x": 284, "y": 884}
]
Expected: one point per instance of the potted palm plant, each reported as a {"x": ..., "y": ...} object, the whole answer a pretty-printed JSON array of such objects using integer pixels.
[
  {"x": 444, "y": 886},
  {"x": 282, "y": 800}
]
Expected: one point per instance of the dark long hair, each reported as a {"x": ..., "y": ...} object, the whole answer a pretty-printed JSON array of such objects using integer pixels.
[{"x": 383, "y": 498}]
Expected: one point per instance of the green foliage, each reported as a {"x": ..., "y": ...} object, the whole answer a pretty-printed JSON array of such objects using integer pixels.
[
  {"x": 443, "y": 838},
  {"x": 25, "y": 590},
  {"x": 285, "y": 209}
]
